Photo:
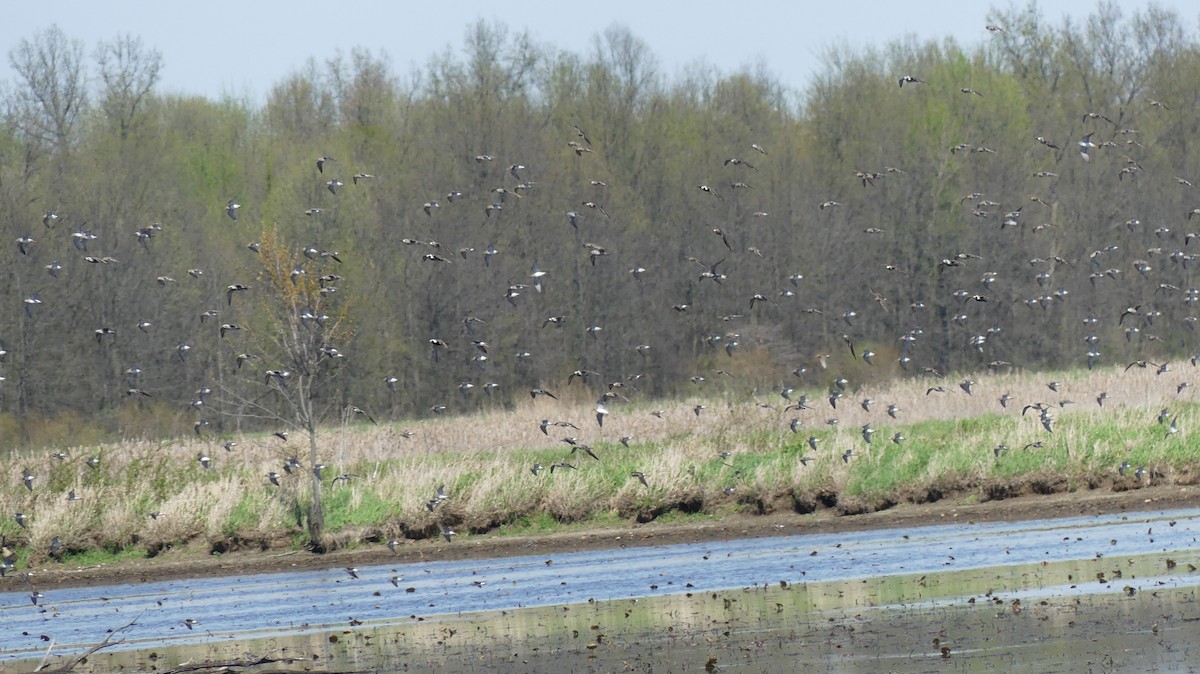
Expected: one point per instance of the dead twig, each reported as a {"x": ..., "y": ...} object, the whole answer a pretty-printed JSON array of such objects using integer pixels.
[
  {"x": 242, "y": 663},
  {"x": 45, "y": 657},
  {"x": 104, "y": 643}
]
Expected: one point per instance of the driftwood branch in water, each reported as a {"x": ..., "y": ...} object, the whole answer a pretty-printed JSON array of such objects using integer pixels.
[
  {"x": 104, "y": 643},
  {"x": 185, "y": 668},
  {"x": 227, "y": 665},
  {"x": 45, "y": 657},
  {"x": 241, "y": 663}
]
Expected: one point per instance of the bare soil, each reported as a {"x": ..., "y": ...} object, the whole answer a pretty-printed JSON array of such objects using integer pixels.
[{"x": 199, "y": 561}]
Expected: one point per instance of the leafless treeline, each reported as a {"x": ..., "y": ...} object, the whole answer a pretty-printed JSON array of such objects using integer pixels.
[{"x": 715, "y": 229}]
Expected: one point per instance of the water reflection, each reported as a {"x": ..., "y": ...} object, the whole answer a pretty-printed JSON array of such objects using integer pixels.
[{"x": 800, "y": 627}]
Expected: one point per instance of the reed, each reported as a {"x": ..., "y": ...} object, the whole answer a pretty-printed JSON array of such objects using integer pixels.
[{"x": 738, "y": 455}]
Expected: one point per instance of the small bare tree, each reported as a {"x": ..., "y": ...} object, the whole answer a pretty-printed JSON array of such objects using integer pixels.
[{"x": 295, "y": 333}]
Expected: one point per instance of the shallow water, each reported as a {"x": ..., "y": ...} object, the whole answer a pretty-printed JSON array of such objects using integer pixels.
[{"x": 900, "y": 583}]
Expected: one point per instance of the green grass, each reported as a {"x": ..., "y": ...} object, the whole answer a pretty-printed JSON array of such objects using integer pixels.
[
  {"x": 544, "y": 523},
  {"x": 538, "y": 523},
  {"x": 244, "y": 516},
  {"x": 99, "y": 556},
  {"x": 350, "y": 506}
]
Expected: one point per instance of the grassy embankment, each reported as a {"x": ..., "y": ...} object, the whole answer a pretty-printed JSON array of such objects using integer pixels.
[{"x": 485, "y": 459}]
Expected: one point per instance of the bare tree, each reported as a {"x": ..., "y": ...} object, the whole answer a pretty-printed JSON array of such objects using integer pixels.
[
  {"x": 296, "y": 333},
  {"x": 50, "y": 66},
  {"x": 129, "y": 72},
  {"x": 303, "y": 105},
  {"x": 365, "y": 87}
]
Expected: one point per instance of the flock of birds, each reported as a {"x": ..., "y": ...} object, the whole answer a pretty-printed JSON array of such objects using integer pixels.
[{"x": 975, "y": 285}]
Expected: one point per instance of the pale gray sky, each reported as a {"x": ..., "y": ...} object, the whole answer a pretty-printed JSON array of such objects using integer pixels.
[{"x": 220, "y": 47}]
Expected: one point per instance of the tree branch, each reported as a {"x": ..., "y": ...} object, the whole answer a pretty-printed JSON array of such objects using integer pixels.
[{"x": 105, "y": 643}]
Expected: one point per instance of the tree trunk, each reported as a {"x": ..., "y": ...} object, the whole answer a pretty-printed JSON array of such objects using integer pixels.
[{"x": 316, "y": 512}]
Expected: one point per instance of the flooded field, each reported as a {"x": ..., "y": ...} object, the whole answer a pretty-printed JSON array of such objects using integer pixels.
[{"x": 1097, "y": 594}]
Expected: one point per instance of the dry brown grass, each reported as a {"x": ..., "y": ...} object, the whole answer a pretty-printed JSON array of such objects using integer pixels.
[{"x": 484, "y": 460}]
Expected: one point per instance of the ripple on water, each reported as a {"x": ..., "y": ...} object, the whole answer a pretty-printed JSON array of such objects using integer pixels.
[{"x": 876, "y": 570}]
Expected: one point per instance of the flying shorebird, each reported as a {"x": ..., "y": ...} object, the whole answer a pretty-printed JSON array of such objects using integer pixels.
[
  {"x": 31, "y": 302},
  {"x": 595, "y": 206},
  {"x": 1085, "y": 145},
  {"x": 1043, "y": 141},
  {"x": 537, "y": 275},
  {"x": 234, "y": 288},
  {"x": 577, "y": 447}
]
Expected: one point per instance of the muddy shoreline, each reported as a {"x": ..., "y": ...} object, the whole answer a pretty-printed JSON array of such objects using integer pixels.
[{"x": 197, "y": 560}]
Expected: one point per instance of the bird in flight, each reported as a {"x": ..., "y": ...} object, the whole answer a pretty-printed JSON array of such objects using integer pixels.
[
  {"x": 234, "y": 288},
  {"x": 1085, "y": 145},
  {"x": 595, "y": 206}
]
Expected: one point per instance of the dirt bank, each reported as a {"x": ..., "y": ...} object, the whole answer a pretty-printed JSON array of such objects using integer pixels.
[{"x": 197, "y": 561}]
